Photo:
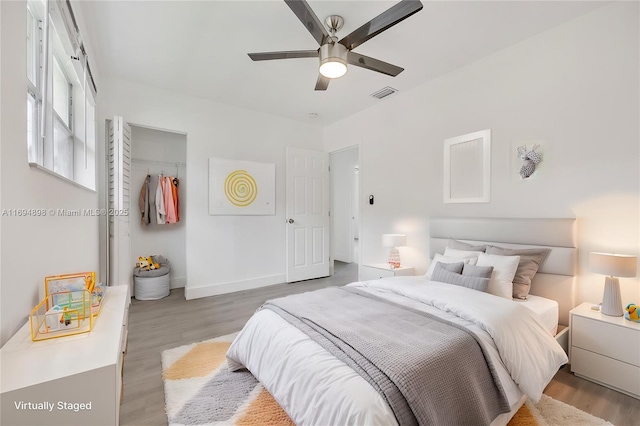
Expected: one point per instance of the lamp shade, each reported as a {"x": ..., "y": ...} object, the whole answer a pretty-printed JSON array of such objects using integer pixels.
[
  {"x": 615, "y": 265},
  {"x": 394, "y": 240}
]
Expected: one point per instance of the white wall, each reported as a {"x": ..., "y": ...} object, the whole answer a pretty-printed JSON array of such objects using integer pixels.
[
  {"x": 343, "y": 165},
  {"x": 224, "y": 253},
  {"x": 573, "y": 89},
  {"x": 2, "y": 331},
  {"x": 169, "y": 240},
  {"x": 33, "y": 247}
]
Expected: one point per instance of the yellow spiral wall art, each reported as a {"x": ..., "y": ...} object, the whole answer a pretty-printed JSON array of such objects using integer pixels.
[{"x": 240, "y": 188}]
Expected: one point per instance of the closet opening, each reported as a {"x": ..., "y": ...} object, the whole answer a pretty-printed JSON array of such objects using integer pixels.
[{"x": 159, "y": 154}]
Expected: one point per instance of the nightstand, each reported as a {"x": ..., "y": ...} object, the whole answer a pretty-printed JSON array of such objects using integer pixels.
[
  {"x": 605, "y": 349},
  {"x": 376, "y": 271}
]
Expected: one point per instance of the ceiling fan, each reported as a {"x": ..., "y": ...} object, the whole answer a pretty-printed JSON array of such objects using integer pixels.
[{"x": 334, "y": 54}]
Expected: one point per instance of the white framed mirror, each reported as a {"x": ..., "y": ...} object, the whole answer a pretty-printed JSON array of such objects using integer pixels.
[{"x": 467, "y": 168}]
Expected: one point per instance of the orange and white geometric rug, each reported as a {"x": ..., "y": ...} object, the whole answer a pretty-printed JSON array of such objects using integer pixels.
[{"x": 200, "y": 390}]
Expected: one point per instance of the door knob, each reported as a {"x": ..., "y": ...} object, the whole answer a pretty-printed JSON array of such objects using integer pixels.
[{"x": 291, "y": 221}]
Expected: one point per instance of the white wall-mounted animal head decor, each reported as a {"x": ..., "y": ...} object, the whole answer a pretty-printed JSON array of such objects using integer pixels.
[{"x": 530, "y": 159}]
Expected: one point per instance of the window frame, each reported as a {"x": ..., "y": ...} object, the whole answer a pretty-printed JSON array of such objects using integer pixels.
[
  {"x": 54, "y": 52},
  {"x": 34, "y": 88}
]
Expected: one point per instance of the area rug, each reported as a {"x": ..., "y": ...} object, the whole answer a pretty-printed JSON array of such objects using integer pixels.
[{"x": 200, "y": 390}]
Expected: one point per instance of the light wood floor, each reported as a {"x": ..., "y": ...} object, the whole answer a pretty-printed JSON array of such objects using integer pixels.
[{"x": 173, "y": 321}]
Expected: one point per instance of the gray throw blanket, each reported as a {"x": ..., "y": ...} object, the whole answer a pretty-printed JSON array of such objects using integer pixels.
[{"x": 430, "y": 371}]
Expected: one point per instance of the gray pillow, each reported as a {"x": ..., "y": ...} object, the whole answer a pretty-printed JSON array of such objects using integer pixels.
[
  {"x": 459, "y": 245},
  {"x": 477, "y": 271},
  {"x": 444, "y": 276},
  {"x": 452, "y": 267},
  {"x": 530, "y": 261}
]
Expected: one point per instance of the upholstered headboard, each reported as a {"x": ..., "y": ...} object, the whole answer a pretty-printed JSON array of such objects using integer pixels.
[{"x": 556, "y": 277}]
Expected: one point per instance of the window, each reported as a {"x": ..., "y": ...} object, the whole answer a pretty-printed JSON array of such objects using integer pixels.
[
  {"x": 32, "y": 127},
  {"x": 60, "y": 94},
  {"x": 34, "y": 94},
  {"x": 34, "y": 38}
]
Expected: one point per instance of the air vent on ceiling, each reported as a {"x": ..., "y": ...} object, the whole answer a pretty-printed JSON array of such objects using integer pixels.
[{"x": 384, "y": 92}]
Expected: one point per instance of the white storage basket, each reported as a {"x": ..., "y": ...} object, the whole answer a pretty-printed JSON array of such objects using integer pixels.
[{"x": 151, "y": 288}]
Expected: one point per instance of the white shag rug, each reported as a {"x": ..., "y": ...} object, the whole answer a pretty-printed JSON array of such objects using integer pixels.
[{"x": 551, "y": 412}]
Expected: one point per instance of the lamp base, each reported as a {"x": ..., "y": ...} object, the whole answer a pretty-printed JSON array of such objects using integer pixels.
[
  {"x": 611, "y": 299},
  {"x": 394, "y": 258}
]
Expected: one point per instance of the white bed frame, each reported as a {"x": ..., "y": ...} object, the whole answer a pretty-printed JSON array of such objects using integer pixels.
[{"x": 556, "y": 277}]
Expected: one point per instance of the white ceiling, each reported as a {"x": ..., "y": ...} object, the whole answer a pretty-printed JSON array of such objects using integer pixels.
[{"x": 200, "y": 48}]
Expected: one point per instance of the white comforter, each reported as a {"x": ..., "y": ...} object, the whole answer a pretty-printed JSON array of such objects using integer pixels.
[{"x": 315, "y": 388}]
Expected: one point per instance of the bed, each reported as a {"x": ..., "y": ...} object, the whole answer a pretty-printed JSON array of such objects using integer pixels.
[{"x": 317, "y": 386}]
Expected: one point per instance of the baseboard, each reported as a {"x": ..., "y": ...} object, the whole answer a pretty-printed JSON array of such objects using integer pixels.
[
  {"x": 179, "y": 282},
  {"x": 224, "y": 288}
]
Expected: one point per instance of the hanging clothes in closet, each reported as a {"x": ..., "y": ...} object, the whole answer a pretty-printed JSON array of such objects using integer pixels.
[
  {"x": 174, "y": 189},
  {"x": 161, "y": 195},
  {"x": 144, "y": 203},
  {"x": 160, "y": 212},
  {"x": 169, "y": 206}
]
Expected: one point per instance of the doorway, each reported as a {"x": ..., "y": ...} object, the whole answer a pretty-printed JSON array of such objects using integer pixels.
[
  {"x": 345, "y": 214},
  {"x": 131, "y": 152},
  {"x": 159, "y": 152}
]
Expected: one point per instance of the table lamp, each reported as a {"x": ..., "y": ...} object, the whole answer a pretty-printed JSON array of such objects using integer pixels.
[
  {"x": 613, "y": 265},
  {"x": 394, "y": 241}
]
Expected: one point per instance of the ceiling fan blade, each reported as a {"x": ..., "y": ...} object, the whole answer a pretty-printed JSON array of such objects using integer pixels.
[
  {"x": 373, "y": 64},
  {"x": 322, "y": 83},
  {"x": 292, "y": 54},
  {"x": 309, "y": 19},
  {"x": 382, "y": 22}
]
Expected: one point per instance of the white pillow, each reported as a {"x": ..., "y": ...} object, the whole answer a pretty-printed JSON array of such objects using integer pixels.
[
  {"x": 440, "y": 258},
  {"x": 463, "y": 254},
  {"x": 504, "y": 269}
]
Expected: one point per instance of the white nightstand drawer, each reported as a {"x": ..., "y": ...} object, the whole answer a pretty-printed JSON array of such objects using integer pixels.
[
  {"x": 375, "y": 271},
  {"x": 612, "y": 341},
  {"x": 608, "y": 371},
  {"x": 369, "y": 273}
]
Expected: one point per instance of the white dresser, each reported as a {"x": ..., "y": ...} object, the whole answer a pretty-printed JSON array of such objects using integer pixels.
[
  {"x": 605, "y": 349},
  {"x": 382, "y": 270},
  {"x": 74, "y": 380}
]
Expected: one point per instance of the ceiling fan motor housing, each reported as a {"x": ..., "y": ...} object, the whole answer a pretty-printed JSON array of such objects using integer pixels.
[{"x": 333, "y": 60}]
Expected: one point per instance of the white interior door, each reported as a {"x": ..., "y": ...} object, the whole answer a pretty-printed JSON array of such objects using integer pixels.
[
  {"x": 120, "y": 269},
  {"x": 307, "y": 214}
]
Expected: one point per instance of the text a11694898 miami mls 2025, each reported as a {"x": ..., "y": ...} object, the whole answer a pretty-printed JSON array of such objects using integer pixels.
[{"x": 63, "y": 212}]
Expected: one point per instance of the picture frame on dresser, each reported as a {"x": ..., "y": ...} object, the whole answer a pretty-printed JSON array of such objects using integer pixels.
[{"x": 69, "y": 282}]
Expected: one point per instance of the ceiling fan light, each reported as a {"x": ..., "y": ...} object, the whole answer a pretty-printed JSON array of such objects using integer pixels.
[
  {"x": 333, "y": 60},
  {"x": 333, "y": 69}
]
